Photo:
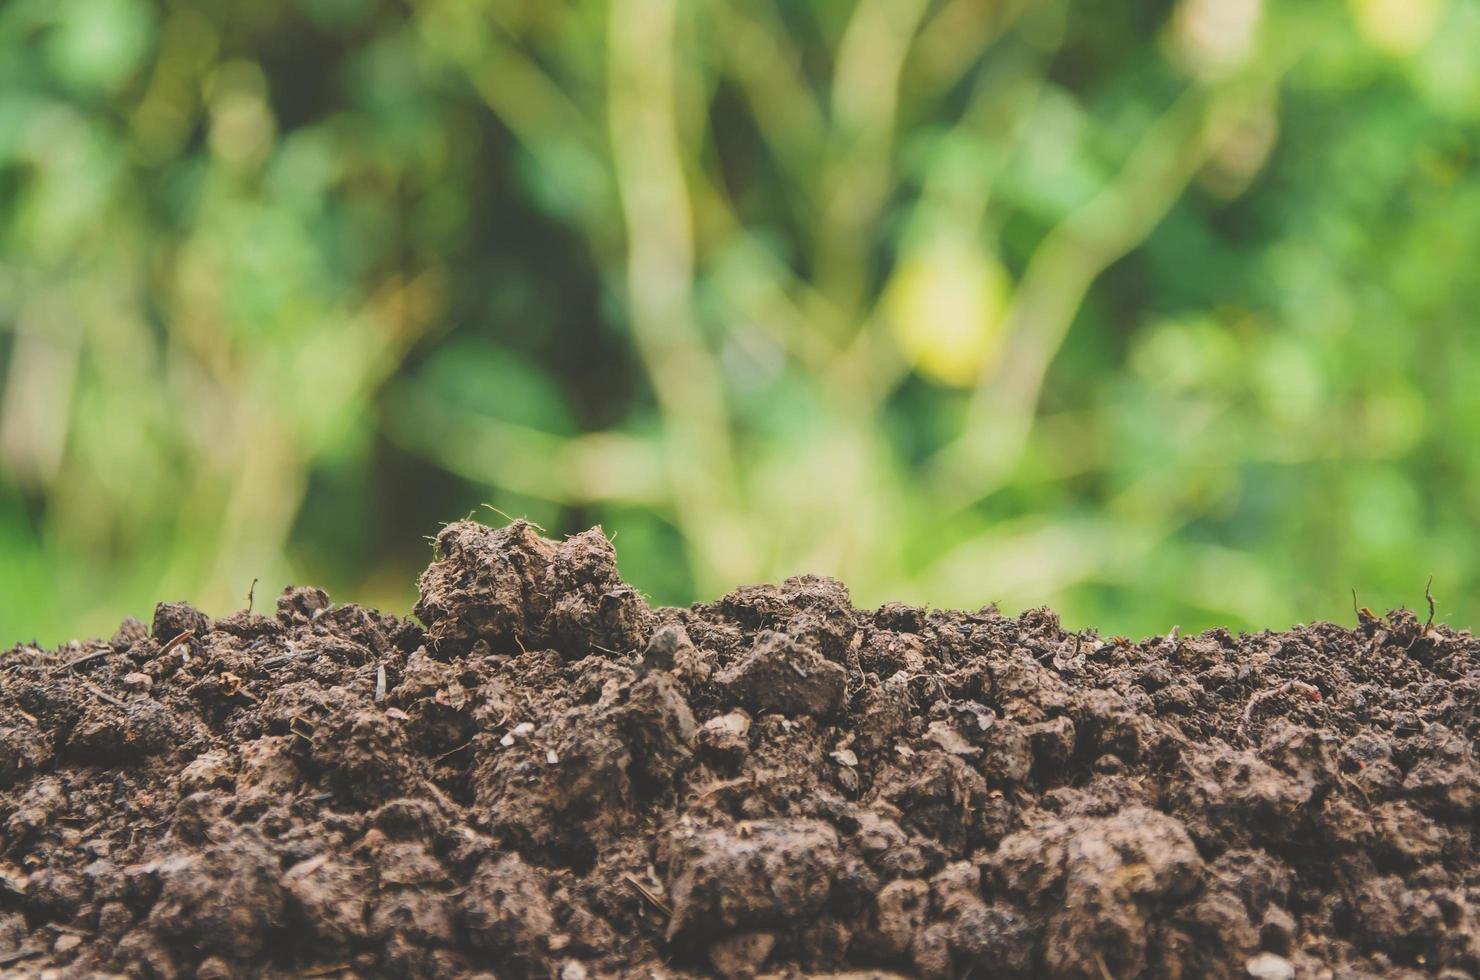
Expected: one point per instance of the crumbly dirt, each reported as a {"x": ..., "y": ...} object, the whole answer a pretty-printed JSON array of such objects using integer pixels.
[{"x": 549, "y": 778}]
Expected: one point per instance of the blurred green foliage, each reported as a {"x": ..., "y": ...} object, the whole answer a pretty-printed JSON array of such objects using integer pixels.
[{"x": 1158, "y": 313}]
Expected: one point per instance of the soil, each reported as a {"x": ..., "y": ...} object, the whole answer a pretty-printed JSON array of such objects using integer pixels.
[{"x": 550, "y": 778}]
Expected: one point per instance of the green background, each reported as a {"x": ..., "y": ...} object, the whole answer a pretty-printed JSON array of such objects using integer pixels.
[{"x": 1157, "y": 313}]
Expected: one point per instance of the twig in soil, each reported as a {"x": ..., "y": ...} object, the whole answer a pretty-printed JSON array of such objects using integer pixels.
[
  {"x": 643, "y": 890},
  {"x": 301, "y": 727},
  {"x": 82, "y": 659},
  {"x": 252, "y": 596},
  {"x": 70, "y": 930},
  {"x": 179, "y": 639},
  {"x": 724, "y": 784},
  {"x": 380, "y": 683},
  {"x": 1309, "y": 690},
  {"x": 102, "y": 693},
  {"x": 452, "y": 752},
  {"x": 1349, "y": 781},
  {"x": 15, "y": 956},
  {"x": 324, "y": 971},
  {"x": 1428, "y": 594},
  {"x": 1104, "y": 970}
]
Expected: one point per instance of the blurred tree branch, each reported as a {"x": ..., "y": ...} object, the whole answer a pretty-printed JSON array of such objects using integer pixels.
[
  {"x": 660, "y": 270},
  {"x": 1062, "y": 270}
]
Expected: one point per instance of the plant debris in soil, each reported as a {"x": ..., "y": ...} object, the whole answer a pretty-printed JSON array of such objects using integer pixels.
[{"x": 550, "y": 778}]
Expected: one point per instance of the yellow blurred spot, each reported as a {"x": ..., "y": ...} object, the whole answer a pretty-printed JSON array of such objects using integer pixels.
[
  {"x": 945, "y": 303},
  {"x": 242, "y": 130},
  {"x": 1399, "y": 27},
  {"x": 242, "y": 125}
]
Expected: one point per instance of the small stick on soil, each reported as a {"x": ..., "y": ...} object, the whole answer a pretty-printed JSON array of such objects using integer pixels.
[
  {"x": 452, "y": 752},
  {"x": 179, "y": 638},
  {"x": 324, "y": 971},
  {"x": 252, "y": 596},
  {"x": 82, "y": 660},
  {"x": 724, "y": 784},
  {"x": 16, "y": 956},
  {"x": 1354, "y": 785},
  {"x": 102, "y": 693},
  {"x": 70, "y": 930},
  {"x": 642, "y": 890},
  {"x": 380, "y": 683},
  {"x": 1428, "y": 595},
  {"x": 1309, "y": 690}
]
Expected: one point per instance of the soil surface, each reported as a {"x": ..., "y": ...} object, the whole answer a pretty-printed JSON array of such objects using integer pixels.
[{"x": 549, "y": 778}]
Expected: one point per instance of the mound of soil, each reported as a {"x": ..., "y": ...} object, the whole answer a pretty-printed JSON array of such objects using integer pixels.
[{"x": 551, "y": 779}]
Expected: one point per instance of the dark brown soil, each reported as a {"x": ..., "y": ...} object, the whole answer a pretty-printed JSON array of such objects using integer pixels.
[{"x": 553, "y": 779}]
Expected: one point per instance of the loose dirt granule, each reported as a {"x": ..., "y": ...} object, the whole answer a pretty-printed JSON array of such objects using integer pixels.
[{"x": 549, "y": 778}]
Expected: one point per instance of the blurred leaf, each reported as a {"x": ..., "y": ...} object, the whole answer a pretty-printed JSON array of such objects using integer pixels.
[{"x": 97, "y": 44}]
